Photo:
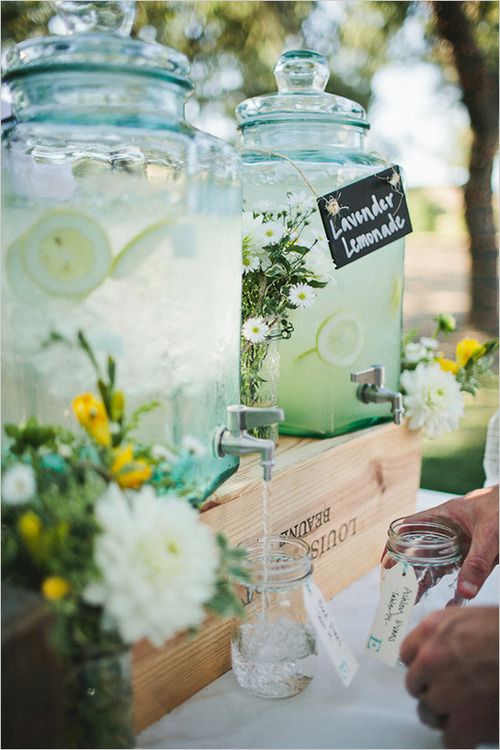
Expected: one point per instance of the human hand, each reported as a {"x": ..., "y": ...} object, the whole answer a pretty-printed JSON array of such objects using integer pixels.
[
  {"x": 452, "y": 659},
  {"x": 477, "y": 515}
]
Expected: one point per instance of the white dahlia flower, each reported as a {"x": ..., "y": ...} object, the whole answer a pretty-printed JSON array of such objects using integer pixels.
[
  {"x": 157, "y": 563},
  {"x": 432, "y": 399}
]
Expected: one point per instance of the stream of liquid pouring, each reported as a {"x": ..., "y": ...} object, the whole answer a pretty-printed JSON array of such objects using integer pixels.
[{"x": 266, "y": 496}]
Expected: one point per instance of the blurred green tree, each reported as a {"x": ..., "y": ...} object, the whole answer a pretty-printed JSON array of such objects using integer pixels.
[
  {"x": 470, "y": 31},
  {"x": 233, "y": 47}
]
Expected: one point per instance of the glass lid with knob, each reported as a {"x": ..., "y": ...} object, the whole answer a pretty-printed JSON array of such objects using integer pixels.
[
  {"x": 95, "y": 36},
  {"x": 301, "y": 76}
]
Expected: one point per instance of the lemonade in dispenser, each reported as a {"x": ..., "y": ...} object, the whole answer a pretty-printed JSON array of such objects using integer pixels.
[
  {"x": 121, "y": 240},
  {"x": 339, "y": 370}
]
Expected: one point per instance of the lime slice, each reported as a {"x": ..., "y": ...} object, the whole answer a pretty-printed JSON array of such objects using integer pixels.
[
  {"x": 139, "y": 249},
  {"x": 340, "y": 338},
  {"x": 19, "y": 281},
  {"x": 66, "y": 253},
  {"x": 396, "y": 294}
]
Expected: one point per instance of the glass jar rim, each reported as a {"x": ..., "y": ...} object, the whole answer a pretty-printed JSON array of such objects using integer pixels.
[
  {"x": 97, "y": 51},
  {"x": 435, "y": 540},
  {"x": 276, "y": 561}
]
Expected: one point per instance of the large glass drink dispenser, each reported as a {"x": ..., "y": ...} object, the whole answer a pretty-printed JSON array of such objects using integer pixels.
[
  {"x": 120, "y": 236},
  {"x": 298, "y": 144}
]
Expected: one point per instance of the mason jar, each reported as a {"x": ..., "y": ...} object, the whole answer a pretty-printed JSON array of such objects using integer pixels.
[
  {"x": 273, "y": 647},
  {"x": 121, "y": 221},
  {"x": 298, "y": 144},
  {"x": 434, "y": 548}
]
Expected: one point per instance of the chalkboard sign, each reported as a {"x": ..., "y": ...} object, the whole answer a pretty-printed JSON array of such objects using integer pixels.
[{"x": 365, "y": 215}]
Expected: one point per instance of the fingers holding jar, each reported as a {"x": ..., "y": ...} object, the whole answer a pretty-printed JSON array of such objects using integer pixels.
[{"x": 452, "y": 660}]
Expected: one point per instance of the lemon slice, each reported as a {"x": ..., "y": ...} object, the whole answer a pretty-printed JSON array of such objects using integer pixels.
[
  {"x": 340, "y": 338},
  {"x": 138, "y": 250},
  {"x": 66, "y": 253}
]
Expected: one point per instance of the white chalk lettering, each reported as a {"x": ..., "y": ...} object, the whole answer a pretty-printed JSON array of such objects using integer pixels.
[
  {"x": 351, "y": 221},
  {"x": 365, "y": 240}
]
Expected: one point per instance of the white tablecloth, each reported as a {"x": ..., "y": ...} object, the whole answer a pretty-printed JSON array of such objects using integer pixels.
[{"x": 375, "y": 711}]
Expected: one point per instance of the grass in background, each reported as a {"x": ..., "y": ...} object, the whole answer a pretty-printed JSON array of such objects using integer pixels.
[{"x": 454, "y": 462}]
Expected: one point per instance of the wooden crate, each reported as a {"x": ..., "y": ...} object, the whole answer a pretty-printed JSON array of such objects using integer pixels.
[{"x": 338, "y": 494}]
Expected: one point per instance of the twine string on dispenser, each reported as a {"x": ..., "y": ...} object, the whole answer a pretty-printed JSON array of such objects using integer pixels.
[{"x": 332, "y": 204}]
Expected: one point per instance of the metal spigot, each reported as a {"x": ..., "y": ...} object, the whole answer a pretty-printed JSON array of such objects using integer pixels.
[
  {"x": 234, "y": 440},
  {"x": 373, "y": 391}
]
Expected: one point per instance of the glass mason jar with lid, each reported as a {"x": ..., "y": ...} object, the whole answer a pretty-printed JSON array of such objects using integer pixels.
[
  {"x": 298, "y": 144},
  {"x": 122, "y": 222}
]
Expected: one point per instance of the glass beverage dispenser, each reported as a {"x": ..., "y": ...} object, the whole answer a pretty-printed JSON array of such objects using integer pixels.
[
  {"x": 121, "y": 222},
  {"x": 298, "y": 144}
]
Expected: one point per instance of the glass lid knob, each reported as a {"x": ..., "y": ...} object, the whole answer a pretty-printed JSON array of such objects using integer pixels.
[
  {"x": 113, "y": 16},
  {"x": 301, "y": 70}
]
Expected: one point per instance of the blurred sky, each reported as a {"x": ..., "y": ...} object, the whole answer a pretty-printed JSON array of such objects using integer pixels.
[{"x": 419, "y": 123}]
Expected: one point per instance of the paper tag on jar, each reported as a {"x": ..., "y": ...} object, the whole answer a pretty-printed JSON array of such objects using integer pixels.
[
  {"x": 365, "y": 215},
  {"x": 338, "y": 650},
  {"x": 397, "y": 598}
]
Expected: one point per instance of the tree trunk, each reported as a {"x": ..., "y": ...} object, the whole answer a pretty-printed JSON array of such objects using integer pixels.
[{"x": 480, "y": 96}]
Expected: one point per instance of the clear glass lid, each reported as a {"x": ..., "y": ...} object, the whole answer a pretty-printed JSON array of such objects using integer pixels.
[
  {"x": 301, "y": 76},
  {"x": 96, "y": 36}
]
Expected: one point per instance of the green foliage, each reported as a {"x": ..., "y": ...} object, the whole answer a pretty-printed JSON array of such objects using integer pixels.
[
  {"x": 274, "y": 267},
  {"x": 224, "y": 602},
  {"x": 52, "y": 482},
  {"x": 477, "y": 366}
]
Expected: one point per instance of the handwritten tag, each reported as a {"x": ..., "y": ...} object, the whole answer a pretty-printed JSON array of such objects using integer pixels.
[
  {"x": 397, "y": 598},
  {"x": 365, "y": 215},
  {"x": 338, "y": 650}
]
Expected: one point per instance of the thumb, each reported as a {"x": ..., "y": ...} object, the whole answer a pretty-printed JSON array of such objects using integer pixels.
[{"x": 476, "y": 566}]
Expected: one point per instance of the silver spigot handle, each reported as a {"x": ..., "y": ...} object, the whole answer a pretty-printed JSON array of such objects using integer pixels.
[
  {"x": 240, "y": 417},
  {"x": 373, "y": 375}
]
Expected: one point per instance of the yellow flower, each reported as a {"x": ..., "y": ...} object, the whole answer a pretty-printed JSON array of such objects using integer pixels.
[
  {"x": 55, "y": 587},
  {"x": 127, "y": 471},
  {"x": 31, "y": 530},
  {"x": 29, "y": 526},
  {"x": 465, "y": 349},
  {"x": 117, "y": 405},
  {"x": 91, "y": 414},
  {"x": 448, "y": 365}
]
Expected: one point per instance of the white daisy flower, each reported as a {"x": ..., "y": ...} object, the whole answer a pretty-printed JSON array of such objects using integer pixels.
[
  {"x": 253, "y": 238},
  {"x": 302, "y": 295},
  {"x": 319, "y": 261},
  {"x": 301, "y": 201},
  {"x": 272, "y": 232},
  {"x": 432, "y": 399},
  {"x": 193, "y": 446},
  {"x": 429, "y": 342},
  {"x": 250, "y": 262},
  {"x": 423, "y": 350},
  {"x": 255, "y": 330},
  {"x": 162, "y": 453},
  {"x": 266, "y": 207},
  {"x": 18, "y": 484},
  {"x": 414, "y": 352},
  {"x": 157, "y": 563}
]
